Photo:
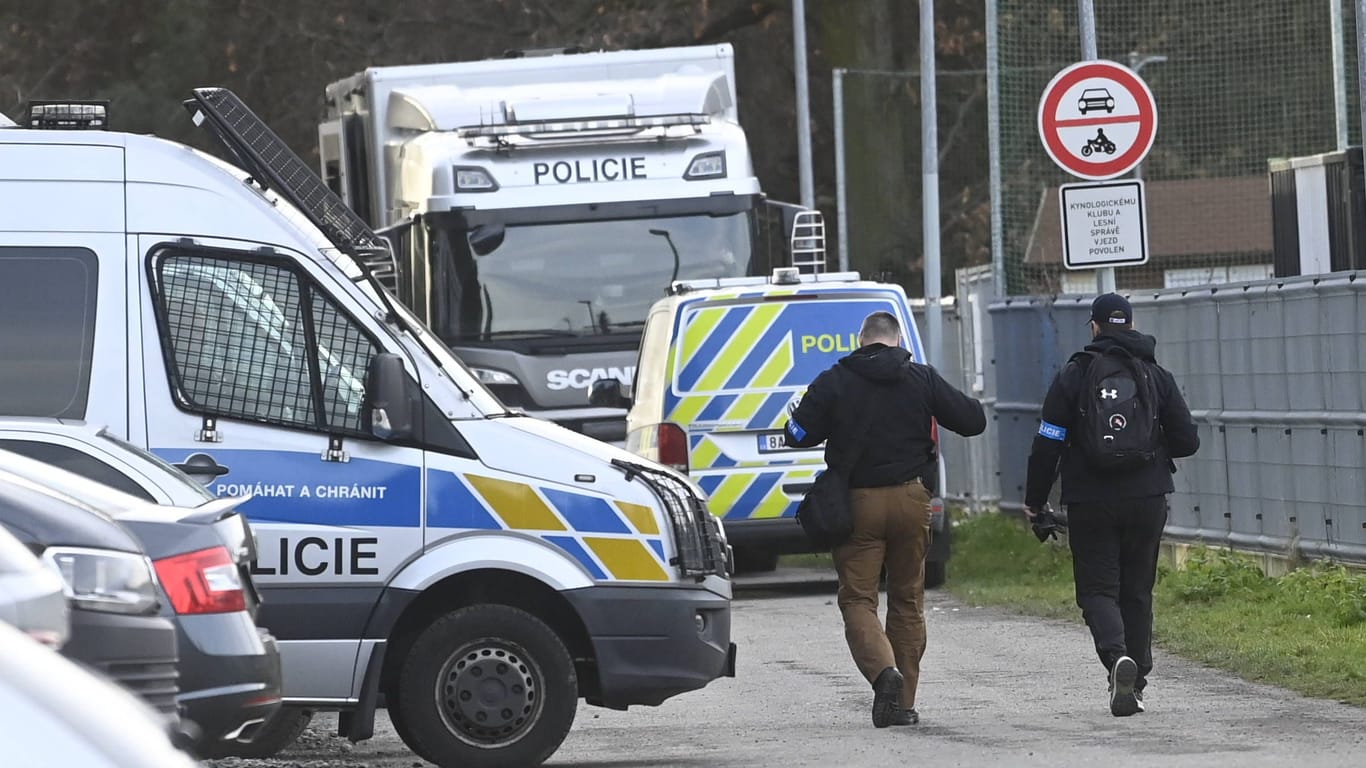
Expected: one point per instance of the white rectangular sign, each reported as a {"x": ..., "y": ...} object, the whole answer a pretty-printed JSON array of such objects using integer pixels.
[{"x": 1104, "y": 224}]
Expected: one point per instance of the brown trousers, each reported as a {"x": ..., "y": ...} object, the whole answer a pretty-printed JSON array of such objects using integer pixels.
[{"x": 892, "y": 528}]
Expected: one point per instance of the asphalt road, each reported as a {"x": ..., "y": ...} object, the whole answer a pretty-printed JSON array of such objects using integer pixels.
[{"x": 996, "y": 689}]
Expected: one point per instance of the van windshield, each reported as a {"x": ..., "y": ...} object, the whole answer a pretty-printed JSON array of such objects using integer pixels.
[{"x": 729, "y": 347}]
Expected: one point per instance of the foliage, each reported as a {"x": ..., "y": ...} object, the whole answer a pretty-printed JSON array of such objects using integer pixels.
[{"x": 1215, "y": 573}]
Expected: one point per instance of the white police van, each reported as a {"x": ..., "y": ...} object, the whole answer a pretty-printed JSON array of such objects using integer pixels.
[
  {"x": 474, "y": 570},
  {"x": 719, "y": 364}
]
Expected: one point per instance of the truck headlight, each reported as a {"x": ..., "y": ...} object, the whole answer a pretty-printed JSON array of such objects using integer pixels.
[
  {"x": 472, "y": 179},
  {"x": 105, "y": 580},
  {"x": 709, "y": 165},
  {"x": 494, "y": 376}
]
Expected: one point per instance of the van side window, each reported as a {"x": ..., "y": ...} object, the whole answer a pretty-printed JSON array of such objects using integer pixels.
[
  {"x": 254, "y": 340},
  {"x": 74, "y": 461},
  {"x": 47, "y": 330},
  {"x": 654, "y": 356}
]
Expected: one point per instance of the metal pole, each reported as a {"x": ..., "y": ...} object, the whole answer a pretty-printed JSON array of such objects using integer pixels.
[
  {"x": 1339, "y": 72},
  {"x": 803, "y": 104},
  {"x": 1086, "y": 22},
  {"x": 998, "y": 256},
  {"x": 1361, "y": 63},
  {"x": 841, "y": 192},
  {"x": 929, "y": 161},
  {"x": 1135, "y": 65}
]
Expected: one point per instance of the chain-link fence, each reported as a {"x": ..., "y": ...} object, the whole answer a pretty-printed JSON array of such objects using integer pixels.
[{"x": 1236, "y": 82}]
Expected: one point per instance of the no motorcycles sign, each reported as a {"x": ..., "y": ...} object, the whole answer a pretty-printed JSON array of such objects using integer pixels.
[{"x": 1097, "y": 119}]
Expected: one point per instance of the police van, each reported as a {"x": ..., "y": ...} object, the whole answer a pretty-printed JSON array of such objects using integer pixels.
[
  {"x": 420, "y": 547},
  {"x": 719, "y": 364}
]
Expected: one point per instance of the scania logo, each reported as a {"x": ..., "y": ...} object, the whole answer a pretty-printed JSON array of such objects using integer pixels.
[{"x": 582, "y": 378}]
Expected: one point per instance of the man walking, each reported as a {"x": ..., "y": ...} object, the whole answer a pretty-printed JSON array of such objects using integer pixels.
[
  {"x": 1114, "y": 420},
  {"x": 877, "y": 405}
]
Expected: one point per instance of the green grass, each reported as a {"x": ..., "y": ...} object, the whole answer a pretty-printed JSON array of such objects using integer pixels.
[{"x": 1305, "y": 631}]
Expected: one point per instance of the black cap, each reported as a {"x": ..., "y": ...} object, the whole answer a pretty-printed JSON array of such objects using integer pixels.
[{"x": 1111, "y": 309}]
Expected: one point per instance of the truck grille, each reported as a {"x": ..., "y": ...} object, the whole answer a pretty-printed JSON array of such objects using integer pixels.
[
  {"x": 156, "y": 682},
  {"x": 697, "y": 534}
]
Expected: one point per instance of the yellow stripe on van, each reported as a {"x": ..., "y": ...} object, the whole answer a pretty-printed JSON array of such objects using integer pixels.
[
  {"x": 777, "y": 502},
  {"x": 705, "y": 454},
  {"x": 627, "y": 559},
  {"x": 642, "y": 517},
  {"x": 776, "y": 369},
  {"x": 746, "y": 406},
  {"x": 688, "y": 409},
  {"x": 703, "y": 322},
  {"x": 741, "y": 344},
  {"x": 728, "y": 492},
  {"x": 518, "y": 504}
]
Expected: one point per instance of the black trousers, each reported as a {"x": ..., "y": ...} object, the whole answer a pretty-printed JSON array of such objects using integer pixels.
[{"x": 1114, "y": 563}]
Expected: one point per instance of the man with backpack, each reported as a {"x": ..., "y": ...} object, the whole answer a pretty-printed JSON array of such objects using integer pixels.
[
  {"x": 875, "y": 411},
  {"x": 1113, "y": 421}
]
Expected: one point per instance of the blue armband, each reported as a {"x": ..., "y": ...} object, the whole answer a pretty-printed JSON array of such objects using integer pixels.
[
  {"x": 1052, "y": 431},
  {"x": 795, "y": 429}
]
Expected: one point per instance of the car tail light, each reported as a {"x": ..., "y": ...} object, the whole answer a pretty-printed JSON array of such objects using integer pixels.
[
  {"x": 206, "y": 581},
  {"x": 673, "y": 447}
]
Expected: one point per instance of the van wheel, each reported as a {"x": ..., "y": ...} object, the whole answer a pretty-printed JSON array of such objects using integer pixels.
[
  {"x": 936, "y": 573},
  {"x": 487, "y": 686},
  {"x": 273, "y": 736}
]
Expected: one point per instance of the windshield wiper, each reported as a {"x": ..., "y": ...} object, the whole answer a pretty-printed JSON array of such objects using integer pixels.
[{"x": 529, "y": 332}]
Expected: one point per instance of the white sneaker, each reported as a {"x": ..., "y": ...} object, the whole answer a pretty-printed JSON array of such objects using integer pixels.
[{"x": 1123, "y": 698}]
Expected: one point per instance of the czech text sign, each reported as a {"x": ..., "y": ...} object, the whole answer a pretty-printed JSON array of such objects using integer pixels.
[{"x": 1104, "y": 225}]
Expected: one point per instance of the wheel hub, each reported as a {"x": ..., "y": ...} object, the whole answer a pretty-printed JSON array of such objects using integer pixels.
[{"x": 489, "y": 694}]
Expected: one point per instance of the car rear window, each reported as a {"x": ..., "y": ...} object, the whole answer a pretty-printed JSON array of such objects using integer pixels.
[
  {"x": 47, "y": 330},
  {"x": 755, "y": 346}
]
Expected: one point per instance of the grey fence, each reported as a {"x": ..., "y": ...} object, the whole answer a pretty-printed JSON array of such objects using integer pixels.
[{"x": 1275, "y": 374}]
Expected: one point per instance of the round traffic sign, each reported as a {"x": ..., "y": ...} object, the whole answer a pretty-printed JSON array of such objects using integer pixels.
[{"x": 1097, "y": 119}]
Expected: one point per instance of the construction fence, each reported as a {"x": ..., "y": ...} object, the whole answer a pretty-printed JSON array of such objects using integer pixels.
[{"x": 1275, "y": 375}]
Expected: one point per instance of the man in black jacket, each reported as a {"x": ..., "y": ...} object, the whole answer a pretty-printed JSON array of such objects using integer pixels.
[
  {"x": 890, "y": 486},
  {"x": 1115, "y": 517}
]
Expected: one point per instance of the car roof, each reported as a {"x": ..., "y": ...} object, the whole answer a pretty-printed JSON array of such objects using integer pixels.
[{"x": 44, "y": 517}]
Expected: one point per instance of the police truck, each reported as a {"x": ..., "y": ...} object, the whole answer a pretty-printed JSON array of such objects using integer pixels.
[{"x": 540, "y": 203}]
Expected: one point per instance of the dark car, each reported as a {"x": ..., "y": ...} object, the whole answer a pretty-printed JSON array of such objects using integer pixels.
[
  {"x": 229, "y": 668},
  {"x": 115, "y": 601}
]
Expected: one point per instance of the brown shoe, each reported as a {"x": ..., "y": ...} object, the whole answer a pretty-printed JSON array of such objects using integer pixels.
[{"x": 886, "y": 691}]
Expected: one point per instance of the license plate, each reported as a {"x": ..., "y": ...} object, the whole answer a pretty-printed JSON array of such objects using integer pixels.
[{"x": 772, "y": 442}]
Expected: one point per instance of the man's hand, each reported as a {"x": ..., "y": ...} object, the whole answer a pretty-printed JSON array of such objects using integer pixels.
[{"x": 1043, "y": 523}]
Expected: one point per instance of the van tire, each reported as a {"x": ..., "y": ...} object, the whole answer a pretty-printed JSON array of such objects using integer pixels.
[
  {"x": 487, "y": 686},
  {"x": 273, "y": 736},
  {"x": 936, "y": 573}
]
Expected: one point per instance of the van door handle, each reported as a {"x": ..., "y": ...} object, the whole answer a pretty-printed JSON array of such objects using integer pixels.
[
  {"x": 796, "y": 489},
  {"x": 202, "y": 467}
]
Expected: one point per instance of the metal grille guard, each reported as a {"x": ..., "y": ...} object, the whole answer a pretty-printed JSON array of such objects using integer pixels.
[{"x": 697, "y": 535}]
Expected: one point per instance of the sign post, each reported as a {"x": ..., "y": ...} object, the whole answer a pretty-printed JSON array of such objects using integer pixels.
[{"x": 1097, "y": 120}]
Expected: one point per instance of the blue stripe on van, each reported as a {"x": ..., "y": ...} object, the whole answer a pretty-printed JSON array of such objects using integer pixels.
[
  {"x": 451, "y": 505},
  {"x": 720, "y": 336},
  {"x": 769, "y": 411},
  {"x": 717, "y": 407},
  {"x": 586, "y": 514},
  {"x": 710, "y": 483},
  {"x": 572, "y": 546}
]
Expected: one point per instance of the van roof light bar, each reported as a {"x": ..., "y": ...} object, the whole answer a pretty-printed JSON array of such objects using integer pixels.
[
  {"x": 261, "y": 153},
  {"x": 563, "y": 127},
  {"x": 67, "y": 115}
]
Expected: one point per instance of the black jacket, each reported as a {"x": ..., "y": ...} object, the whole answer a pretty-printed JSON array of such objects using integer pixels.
[
  {"x": 1080, "y": 482},
  {"x": 901, "y": 397}
]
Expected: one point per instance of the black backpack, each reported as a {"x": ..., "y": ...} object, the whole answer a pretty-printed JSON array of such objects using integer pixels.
[{"x": 1118, "y": 425}]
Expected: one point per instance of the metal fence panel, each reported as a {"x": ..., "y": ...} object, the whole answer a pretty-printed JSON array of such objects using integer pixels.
[{"x": 1275, "y": 375}]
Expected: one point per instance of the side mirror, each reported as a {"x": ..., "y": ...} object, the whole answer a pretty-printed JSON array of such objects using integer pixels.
[
  {"x": 485, "y": 238},
  {"x": 608, "y": 393},
  {"x": 391, "y": 398}
]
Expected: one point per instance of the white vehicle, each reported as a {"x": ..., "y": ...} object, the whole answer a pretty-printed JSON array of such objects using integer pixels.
[
  {"x": 479, "y": 570},
  {"x": 540, "y": 204}
]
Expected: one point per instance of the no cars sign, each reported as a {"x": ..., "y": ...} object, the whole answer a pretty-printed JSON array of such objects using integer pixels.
[{"x": 1097, "y": 119}]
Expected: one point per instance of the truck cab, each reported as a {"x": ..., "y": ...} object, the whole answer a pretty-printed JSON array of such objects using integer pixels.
[
  {"x": 540, "y": 204},
  {"x": 415, "y": 537}
]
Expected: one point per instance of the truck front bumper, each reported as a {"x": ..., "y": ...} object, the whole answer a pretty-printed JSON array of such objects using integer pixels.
[{"x": 653, "y": 643}]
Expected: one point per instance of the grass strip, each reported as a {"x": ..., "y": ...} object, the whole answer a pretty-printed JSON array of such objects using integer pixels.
[{"x": 1305, "y": 631}]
